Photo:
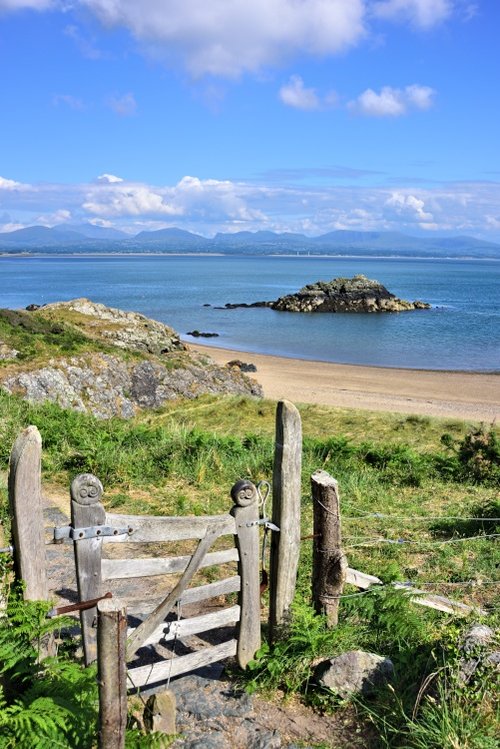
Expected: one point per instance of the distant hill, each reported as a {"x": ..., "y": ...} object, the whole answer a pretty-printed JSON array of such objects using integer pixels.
[{"x": 90, "y": 238}]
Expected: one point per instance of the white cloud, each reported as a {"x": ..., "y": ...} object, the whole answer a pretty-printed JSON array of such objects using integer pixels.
[
  {"x": 109, "y": 178},
  {"x": 10, "y": 227},
  {"x": 230, "y": 38},
  {"x": 392, "y": 102},
  {"x": 61, "y": 216},
  {"x": 124, "y": 105},
  {"x": 408, "y": 207},
  {"x": 422, "y": 13},
  {"x": 295, "y": 94},
  {"x": 126, "y": 199},
  {"x": 10, "y": 184}
]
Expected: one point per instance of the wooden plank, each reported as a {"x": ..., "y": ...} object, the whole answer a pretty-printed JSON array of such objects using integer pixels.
[
  {"x": 124, "y": 568},
  {"x": 164, "y": 670},
  {"x": 329, "y": 561},
  {"x": 147, "y": 529},
  {"x": 25, "y": 501},
  {"x": 285, "y": 545},
  {"x": 87, "y": 511},
  {"x": 112, "y": 673},
  {"x": 421, "y": 597},
  {"x": 192, "y": 595},
  {"x": 136, "y": 640},
  {"x": 246, "y": 515},
  {"x": 167, "y": 631}
]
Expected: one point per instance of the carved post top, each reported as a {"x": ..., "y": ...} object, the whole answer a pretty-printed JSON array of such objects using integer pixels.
[
  {"x": 86, "y": 489},
  {"x": 244, "y": 493}
]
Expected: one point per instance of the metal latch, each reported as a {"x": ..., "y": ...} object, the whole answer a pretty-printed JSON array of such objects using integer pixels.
[
  {"x": 268, "y": 525},
  {"x": 94, "y": 531}
]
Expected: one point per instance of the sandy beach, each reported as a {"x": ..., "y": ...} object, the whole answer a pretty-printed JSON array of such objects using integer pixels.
[{"x": 461, "y": 395}]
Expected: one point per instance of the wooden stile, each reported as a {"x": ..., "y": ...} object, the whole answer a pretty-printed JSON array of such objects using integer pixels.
[
  {"x": 25, "y": 501},
  {"x": 246, "y": 515},
  {"x": 112, "y": 673},
  {"x": 285, "y": 545},
  {"x": 87, "y": 511},
  {"x": 329, "y": 561}
]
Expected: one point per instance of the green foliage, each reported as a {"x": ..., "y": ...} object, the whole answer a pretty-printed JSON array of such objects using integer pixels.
[{"x": 32, "y": 335}]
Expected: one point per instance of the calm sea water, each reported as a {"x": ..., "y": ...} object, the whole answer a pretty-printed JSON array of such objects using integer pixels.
[{"x": 461, "y": 331}]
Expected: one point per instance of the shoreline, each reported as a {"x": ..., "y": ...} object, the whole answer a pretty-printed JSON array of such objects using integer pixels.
[{"x": 470, "y": 396}]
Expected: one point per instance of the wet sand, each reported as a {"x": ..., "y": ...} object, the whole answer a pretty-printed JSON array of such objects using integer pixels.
[{"x": 458, "y": 395}]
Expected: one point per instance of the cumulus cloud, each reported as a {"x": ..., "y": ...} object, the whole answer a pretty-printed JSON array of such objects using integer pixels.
[
  {"x": 228, "y": 39},
  {"x": 421, "y": 13},
  {"x": 124, "y": 105},
  {"x": 295, "y": 94},
  {"x": 408, "y": 207},
  {"x": 11, "y": 184},
  {"x": 109, "y": 178},
  {"x": 53, "y": 219},
  {"x": 126, "y": 199},
  {"x": 392, "y": 102}
]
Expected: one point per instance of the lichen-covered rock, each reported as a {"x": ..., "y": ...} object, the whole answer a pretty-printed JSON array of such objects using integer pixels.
[
  {"x": 107, "y": 386},
  {"x": 6, "y": 352},
  {"x": 127, "y": 330},
  {"x": 355, "y": 672},
  {"x": 357, "y": 294}
]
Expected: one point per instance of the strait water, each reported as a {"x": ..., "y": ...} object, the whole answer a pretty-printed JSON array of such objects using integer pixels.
[{"x": 460, "y": 332}]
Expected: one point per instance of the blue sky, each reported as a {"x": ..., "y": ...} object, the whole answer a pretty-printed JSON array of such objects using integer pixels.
[{"x": 227, "y": 115}]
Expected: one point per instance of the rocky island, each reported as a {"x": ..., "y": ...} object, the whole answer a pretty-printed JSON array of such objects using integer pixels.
[
  {"x": 357, "y": 294},
  {"x": 88, "y": 357}
]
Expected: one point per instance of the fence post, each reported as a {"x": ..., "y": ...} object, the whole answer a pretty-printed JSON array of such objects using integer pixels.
[
  {"x": 329, "y": 562},
  {"x": 112, "y": 673},
  {"x": 25, "y": 501},
  {"x": 246, "y": 515},
  {"x": 285, "y": 545},
  {"x": 87, "y": 511}
]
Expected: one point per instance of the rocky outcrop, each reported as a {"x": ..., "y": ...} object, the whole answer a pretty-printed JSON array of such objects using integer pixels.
[
  {"x": 150, "y": 366},
  {"x": 6, "y": 352},
  {"x": 357, "y": 294},
  {"x": 127, "y": 330}
]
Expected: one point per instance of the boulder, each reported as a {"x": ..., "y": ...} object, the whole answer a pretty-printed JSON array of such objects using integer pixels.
[
  {"x": 355, "y": 672},
  {"x": 478, "y": 648},
  {"x": 159, "y": 713}
]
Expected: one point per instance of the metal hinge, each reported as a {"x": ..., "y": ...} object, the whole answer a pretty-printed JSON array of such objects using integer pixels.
[{"x": 94, "y": 531}]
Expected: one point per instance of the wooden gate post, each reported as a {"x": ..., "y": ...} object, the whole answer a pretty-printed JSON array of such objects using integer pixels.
[
  {"x": 329, "y": 562},
  {"x": 246, "y": 514},
  {"x": 25, "y": 501},
  {"x": 285, "y": 545},
  {"x": 112, "y": 673},
  {"x": 87, "y": 512}
]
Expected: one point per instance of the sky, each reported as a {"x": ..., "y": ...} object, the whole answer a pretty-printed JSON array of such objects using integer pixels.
[{"x": 228, "y": 115}]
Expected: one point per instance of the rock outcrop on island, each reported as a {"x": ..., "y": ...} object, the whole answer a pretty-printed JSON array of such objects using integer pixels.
[
  {"x": 357, "y": 294},
  {"x": 89, "y": 357}
]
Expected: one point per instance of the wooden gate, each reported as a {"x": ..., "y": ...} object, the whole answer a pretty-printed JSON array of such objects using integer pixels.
[{"x": 93, "y": 529}]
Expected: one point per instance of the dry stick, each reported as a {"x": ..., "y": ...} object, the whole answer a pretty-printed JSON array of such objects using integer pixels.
[
  {"x": 143, "y": 631},
  {"x": 329, "y": 562},
  {"x": 112, "y": 673}
]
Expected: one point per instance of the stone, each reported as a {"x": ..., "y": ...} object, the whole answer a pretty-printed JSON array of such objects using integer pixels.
[
  {"x": 242, "y": 366},
  {"x": 355, "y": 672},
  {"x": 477, "y": 646},
  {"x": 6, "y": 352},
  {"x": 199, "y": 334},
  {"x": 160, "y": 711}
]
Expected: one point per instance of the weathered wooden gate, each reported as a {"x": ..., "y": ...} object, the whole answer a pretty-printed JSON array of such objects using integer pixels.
[{"x": 92, "y": 529}]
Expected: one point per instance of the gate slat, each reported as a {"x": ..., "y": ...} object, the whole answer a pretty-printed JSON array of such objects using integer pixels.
[
  {"x": 191, "y": 595},
  {"x": 168, "y": 631},
  {"x": 142, "y": 675},
  {"x": 147, "y": 529},
  {"x": 120, "y": 568}
]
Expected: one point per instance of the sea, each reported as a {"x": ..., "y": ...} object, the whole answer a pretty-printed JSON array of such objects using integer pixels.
[{"x": 460, "y": 332}]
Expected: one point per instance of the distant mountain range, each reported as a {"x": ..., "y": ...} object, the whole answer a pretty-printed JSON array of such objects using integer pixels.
[{"x": 89, "y": 239}]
